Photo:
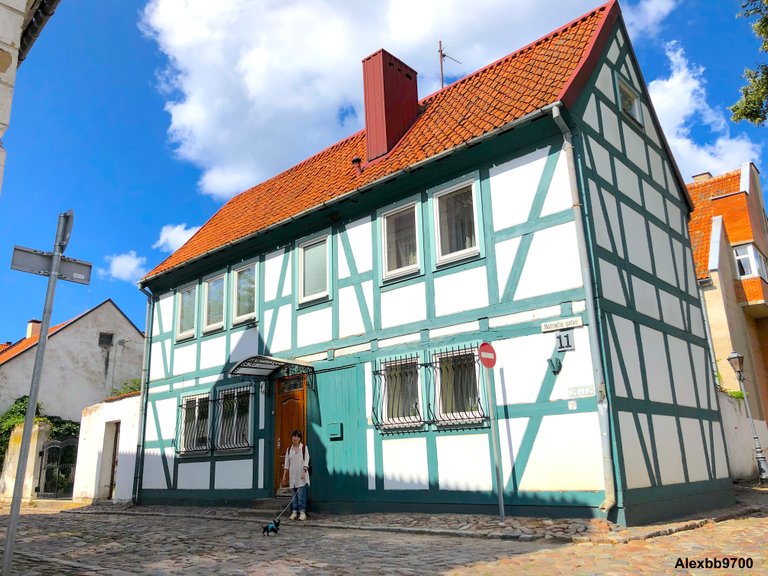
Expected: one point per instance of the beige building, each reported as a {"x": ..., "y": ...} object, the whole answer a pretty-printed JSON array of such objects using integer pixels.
[{"x": 21, "y": 22}]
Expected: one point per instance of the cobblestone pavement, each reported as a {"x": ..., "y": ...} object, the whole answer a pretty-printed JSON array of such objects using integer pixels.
[{"x": 112, "y": 540}]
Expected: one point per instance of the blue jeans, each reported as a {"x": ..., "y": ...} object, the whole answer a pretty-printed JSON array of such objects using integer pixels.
[{"x": 299, "y": 500}]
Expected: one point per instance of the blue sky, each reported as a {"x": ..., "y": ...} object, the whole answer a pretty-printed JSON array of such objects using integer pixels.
[{"x": 144, "y": 118}]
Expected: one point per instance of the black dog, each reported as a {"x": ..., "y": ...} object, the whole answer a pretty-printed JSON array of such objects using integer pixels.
[{"x": 271, "y": 529}]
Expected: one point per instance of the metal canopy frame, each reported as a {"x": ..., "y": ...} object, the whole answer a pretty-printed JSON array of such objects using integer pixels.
[{"x": 263, "y": 369}]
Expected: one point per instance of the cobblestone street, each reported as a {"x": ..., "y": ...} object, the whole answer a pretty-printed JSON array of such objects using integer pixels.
[{"x": 168, "y": 540}]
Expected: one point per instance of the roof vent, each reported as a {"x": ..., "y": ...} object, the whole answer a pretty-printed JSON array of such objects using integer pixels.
[
  {"x": 391, "y": 101},
  {"x": 702, "y": 177}
]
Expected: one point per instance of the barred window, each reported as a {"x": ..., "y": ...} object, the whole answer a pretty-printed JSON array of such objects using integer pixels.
[
  {"x": 234, "y": 407},
  {"x": 398, "y": 403},
  {"x": 458, "y": 393},
  {"x": 194, "y": 426}
]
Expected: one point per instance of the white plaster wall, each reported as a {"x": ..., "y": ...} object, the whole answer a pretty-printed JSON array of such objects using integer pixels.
[
  {"x": 350, "y": 319},
  {"x": 371, "y": 457},
  {"x": 511, "y": 434},
  {"x": 77, "y": 372},
  {"x": 158, "y": 361},
  {"x": 541, "y": 274},
  {"x": 91, "y": 459},
  {"x": 273, "y": 263},
  {"x": 281, "y": 339},
  {"x": 559, "y": 194},
  {"x": 165, "y": 412},
  {"x": 576, "y": 378},
  {"x": 575, "y": 438},
  {"x": 461, "y": 291},
  {"x": 243, "y": 344},
  {"x": 154, "y": 474},
  {"x": 403, "y": 305},
  {"x": 694, "y": 450},
  {"x": 520, "y": 367},
  {"x": 194, "y": 476},
  {"x": 464, "y": 462},
  {"x": 608, "y": 232},
  {"x": 656, "y": 368},
  {"x": 628, "y": 349},
  {"x": 645, "y": 298},
  {"x": 627, "y": 181},
  {"x": 682, "y": 374},
  {"x": 738, "y": 437},
  {"x": 637, "y": 240},
  {"x": 505, "y": 260},
  {"x": 360, "y": 237},
  {"x": 662, "y": 255},
  {"x": 232, "y": 474},
  {"x": 185, "y": 358},
  {"x": 163, "y": 321},
  {"x": 611, "y": 282},
  {"x": 635, "y": 467},
  {"x": 513, "y": 186},
  {"x": 405, "y": 464},
  {"x": 213, "y": 352},
  {"x": 314, "y": 327},
  {"x": 668, "y": 449}
]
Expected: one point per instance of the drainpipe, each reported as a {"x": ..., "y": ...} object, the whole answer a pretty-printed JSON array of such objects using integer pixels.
[
  {"x": 586, "y": 274},
  {"x": 139, "y": 465}
]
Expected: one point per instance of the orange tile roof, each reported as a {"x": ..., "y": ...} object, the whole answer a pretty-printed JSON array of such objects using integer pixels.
[
  {"x": 700, "y": 224},
  {"x": 554, "y": 68},
  {"x": 8, "y": 352}
]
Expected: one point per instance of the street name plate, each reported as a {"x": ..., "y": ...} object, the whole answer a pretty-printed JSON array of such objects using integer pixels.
[
  {"x": 562, "y": 324},
  {"x": 38, "y": 262}
]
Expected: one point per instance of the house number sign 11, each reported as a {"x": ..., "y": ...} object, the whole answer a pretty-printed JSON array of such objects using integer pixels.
[{"x": 565, "y": 340}]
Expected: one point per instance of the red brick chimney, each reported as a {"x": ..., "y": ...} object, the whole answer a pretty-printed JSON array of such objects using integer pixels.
[
  {"x": 33, "y": 328},
  {"x": 391, "y": 101}
]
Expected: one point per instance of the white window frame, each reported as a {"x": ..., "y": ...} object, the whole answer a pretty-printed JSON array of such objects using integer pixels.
[
  {"x": 466, "y": 253},
  {"x": 405, "y": 270},
  {"x": 181, "y": 335},
  {"x": 636, "y": 110},
  {"x": 196, "y": 447},
  {"x": 235, "y": 275},
  {"x": 206, "y": 286},
  {"x": 304, "y": 298},
  {"x": 401, "y": 421},
  {"x": 453, "y": 418},
  {"x": 249, "y": 423},
  {"x": 753, "y": 256}
]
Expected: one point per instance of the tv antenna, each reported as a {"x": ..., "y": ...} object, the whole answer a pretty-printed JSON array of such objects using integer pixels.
[{"x": 443, "y": 56}]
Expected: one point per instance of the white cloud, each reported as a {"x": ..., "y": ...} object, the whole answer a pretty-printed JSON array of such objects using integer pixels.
[
  {"x": 254, "y": 87},
  {"x": 646, "y": 16},
  {"x": 128, "y": 266},
  {"x": 172, "y": 236},
  {"x": 681, "y": 103}
]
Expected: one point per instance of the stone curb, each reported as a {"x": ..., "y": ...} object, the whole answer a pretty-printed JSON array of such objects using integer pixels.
[{"x": 498, "y": 535}]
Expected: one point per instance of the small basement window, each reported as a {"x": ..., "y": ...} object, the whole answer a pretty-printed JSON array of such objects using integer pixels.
[{"x": 630, "y": 102}]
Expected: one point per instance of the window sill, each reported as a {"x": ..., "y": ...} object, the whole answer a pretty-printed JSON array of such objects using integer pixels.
[
  {"x": 458, "y": 258},
  {"x": 188, "y": 454},
  {"x": 450, "y": 421},
  {"x": 245, "y": 451},
  {"x": 185, "y": 337},
  {"x": 244, "y": 321},
  {"x": 213, "y": 329},
  {"x": 313, "y": 301}
]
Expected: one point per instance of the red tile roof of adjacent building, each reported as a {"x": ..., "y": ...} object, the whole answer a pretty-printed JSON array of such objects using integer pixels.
[
  {"x": 552, "y": 69},
  {"x": 8, "y": 352},
  {"x": 700, "y": 225}
]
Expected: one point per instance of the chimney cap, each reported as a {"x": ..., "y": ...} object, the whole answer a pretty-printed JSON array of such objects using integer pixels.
[{"x": 702, "y": 177}]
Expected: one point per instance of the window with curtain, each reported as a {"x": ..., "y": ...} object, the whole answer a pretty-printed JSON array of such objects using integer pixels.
[
  {"x": 458, "y": 384},
  {"x": 235, "y": 410},
  {"x": 456, "y": 224},
  {"x": 313, "y": 270},
  {"x": 401, "y": 391},
  {"x": 186, "y": 316},
  {"x": 400, "y": 242},
  {"x": 245, "y": 293},
  {"x": 214, "y": 303},
  {"x": 194, "y": 427}
]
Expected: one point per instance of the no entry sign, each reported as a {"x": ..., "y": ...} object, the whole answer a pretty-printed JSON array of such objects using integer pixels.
[{"x": 487, "y": 355}]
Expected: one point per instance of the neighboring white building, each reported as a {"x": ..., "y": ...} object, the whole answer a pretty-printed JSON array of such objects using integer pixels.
[
  {"x": 85, "y": 358},
  {"x": 106, "y": 453}
]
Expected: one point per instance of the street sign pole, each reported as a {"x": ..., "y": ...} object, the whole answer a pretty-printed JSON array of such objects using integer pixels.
[
  {"x": 62, "y": 236},
  {"x": 488, "y": 360}
]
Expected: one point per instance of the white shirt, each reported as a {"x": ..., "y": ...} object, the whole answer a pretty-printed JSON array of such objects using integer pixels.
[{"x": 295, "y": 465}]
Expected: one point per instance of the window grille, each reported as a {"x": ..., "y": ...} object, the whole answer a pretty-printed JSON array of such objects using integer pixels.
[
  {"x": 195, "y": 411},
  {"x": 455, "y": 387},
  {"x": 233, "y": 426},
  {"x": 396, "y": 392}
]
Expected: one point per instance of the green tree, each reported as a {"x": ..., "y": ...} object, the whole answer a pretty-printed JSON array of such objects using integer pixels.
[
  {"x": 753, "y": 105},
  {"x": 132, "y": 385}
]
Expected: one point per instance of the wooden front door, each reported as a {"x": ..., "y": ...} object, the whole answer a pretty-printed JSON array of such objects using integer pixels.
[{"x": 290, "y": 415}]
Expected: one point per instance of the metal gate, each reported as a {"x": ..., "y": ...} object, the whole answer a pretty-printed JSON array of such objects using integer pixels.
[{"x": 57, "y": 469}]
